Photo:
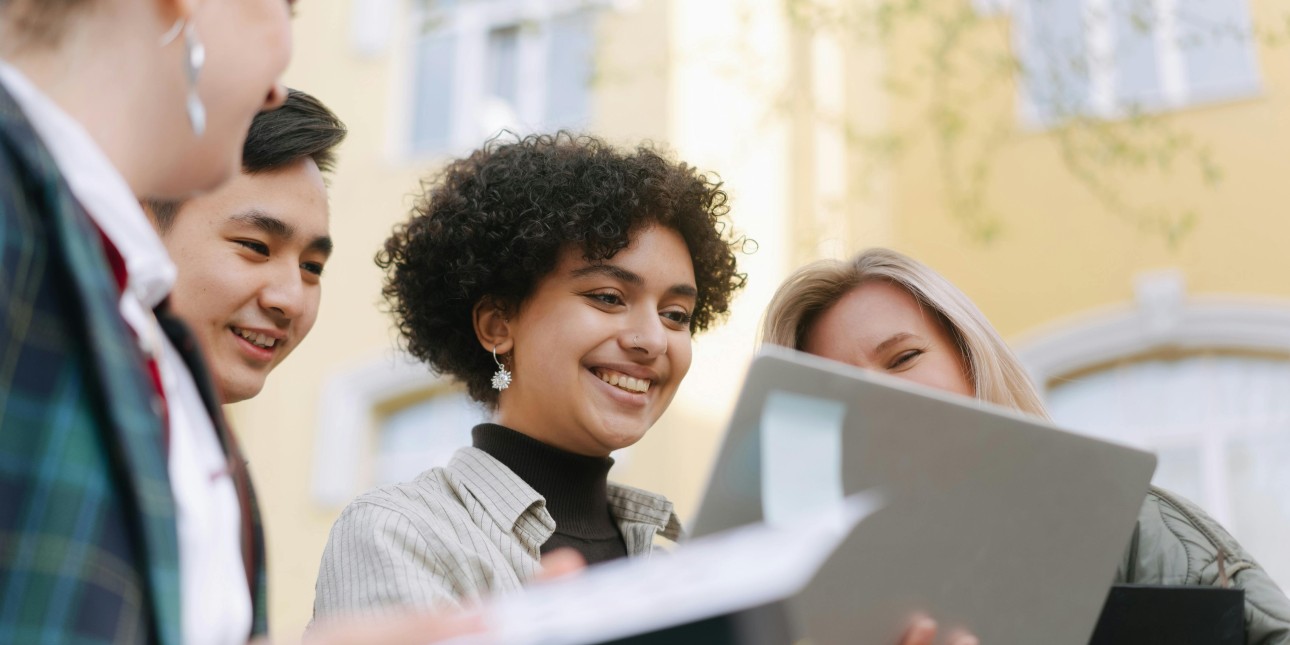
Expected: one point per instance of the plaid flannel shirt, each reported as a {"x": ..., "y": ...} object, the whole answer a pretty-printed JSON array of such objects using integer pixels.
[{"x": 88, "y": 546}]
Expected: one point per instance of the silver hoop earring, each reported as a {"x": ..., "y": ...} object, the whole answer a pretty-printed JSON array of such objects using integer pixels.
[
  {"x": 194, "y": 61},
  {"x": 501, "y": 378}
]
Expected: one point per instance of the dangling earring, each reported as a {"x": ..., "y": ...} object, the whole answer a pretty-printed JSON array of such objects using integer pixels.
[
  {"x": 194, "y": 60},
  {"x": 502, "y": 378}
]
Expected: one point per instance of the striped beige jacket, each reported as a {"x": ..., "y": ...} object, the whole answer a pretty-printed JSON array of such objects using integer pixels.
[{"x": 454, "y": 534}]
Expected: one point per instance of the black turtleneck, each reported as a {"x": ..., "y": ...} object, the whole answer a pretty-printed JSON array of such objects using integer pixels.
[{"x": 575, "y": 487}]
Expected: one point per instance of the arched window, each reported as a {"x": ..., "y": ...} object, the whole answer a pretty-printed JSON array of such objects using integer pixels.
[
  {"x": 386, "y": 421},
  {"x": 1203, "y": 382}
]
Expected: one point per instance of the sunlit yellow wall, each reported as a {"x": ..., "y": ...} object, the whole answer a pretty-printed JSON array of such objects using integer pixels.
[{"x": 1059, "y": 252}]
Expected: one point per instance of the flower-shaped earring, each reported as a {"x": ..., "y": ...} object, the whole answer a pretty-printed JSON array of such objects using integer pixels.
[{"x": 501, "y": 378}]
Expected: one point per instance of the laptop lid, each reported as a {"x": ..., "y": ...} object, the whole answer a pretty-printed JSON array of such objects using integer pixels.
[{"x": 996, "y": 521}]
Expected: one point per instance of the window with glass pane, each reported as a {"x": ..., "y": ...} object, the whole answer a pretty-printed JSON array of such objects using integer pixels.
[
  {"x": 431, "y": 105},
  {"x": 569, "y": 67},
  {"x": 1052, "y": 48},
  {"x": 1220, "y": 425},
  {"x": 1215, "y": 41},
  {"x": 1113, "y": 58},
  {"x": 490, "y": 65},
  {"x": 423, "y": 435},
  {"x": 503, "y": 54}
]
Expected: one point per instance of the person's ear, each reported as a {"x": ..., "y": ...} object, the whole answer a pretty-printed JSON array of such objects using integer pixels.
[{"x": 492, "y": 325}]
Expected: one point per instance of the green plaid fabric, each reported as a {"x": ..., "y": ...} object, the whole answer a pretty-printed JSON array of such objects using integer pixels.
[{"x": 88, "y": 547}]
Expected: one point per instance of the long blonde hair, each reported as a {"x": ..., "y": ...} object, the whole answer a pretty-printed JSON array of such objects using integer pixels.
[{"x": 995, "y": 371}]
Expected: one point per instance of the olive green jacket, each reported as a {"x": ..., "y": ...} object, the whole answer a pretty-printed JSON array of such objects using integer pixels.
[{"x": 1176, "y": 543}]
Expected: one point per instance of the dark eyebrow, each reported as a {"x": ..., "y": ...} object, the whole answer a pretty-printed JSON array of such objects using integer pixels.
[
  {"x": 275, "y": 227},
  {"x": 625, "y": 276},
  {"x": 269, "y": 224},
  {"x": 684, "y": 290},
  {"x": 322, "y": 244},
  {"x": 884, "y": 345},
  {"x": 618, "y": 273}
]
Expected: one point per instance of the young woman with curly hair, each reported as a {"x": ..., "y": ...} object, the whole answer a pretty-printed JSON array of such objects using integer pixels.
[{"x": 560, "y": 280}]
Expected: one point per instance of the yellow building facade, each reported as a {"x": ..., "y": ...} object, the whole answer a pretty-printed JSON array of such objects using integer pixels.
[{"x": 831, "y": 137}]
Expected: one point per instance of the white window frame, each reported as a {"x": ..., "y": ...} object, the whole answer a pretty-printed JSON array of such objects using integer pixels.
[
  {"x": 1164, "y": 318},
  {"x": 347, "y": 421},
  {"x": 470, "y": 22},
  {"x": 1099, "y": 39},
  {"x": 992, "y": 8},
  {"x": 345, "y": 446}
]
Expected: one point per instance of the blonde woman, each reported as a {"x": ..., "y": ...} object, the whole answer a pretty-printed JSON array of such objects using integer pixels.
[{"x": 887, "y": 312}]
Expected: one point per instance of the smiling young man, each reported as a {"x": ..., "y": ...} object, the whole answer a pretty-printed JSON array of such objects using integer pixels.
[{"x": 251, "y": 254}]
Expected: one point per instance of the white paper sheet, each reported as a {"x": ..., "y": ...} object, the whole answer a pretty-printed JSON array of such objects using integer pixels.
[{"x": 738, "y": 569}]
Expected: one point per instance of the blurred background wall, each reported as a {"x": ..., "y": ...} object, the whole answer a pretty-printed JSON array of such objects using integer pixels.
[{"x": 1106, "y": 178}]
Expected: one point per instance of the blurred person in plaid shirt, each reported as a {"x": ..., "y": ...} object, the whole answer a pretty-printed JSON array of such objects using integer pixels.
[{"x": 103, "y": 394}]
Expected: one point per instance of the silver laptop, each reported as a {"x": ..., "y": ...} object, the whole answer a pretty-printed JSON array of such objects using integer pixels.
[{"x": 995, "y": 522}]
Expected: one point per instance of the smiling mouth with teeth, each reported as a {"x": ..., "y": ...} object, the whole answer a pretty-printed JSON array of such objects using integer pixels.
[
  {"x": 259, "y": 340},
  {"x": 623, "y": 381}
]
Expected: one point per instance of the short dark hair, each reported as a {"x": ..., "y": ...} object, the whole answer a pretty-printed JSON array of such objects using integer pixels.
[
  {"x": 302, "y": 127},
  {"x": 493, "y": 224}
]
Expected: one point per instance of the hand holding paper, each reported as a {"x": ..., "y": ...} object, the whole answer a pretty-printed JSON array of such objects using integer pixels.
[{"x": 708, "y": 577}]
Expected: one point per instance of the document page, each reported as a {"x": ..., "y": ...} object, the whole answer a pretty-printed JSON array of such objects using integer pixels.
[{"x": 722, "y": 573}]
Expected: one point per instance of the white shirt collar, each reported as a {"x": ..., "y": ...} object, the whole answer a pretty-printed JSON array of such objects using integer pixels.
[{"x": 99, "y": 188}]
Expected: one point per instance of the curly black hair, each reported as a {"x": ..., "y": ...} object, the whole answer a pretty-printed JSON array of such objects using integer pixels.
[{"x": 493, "y": 224}]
